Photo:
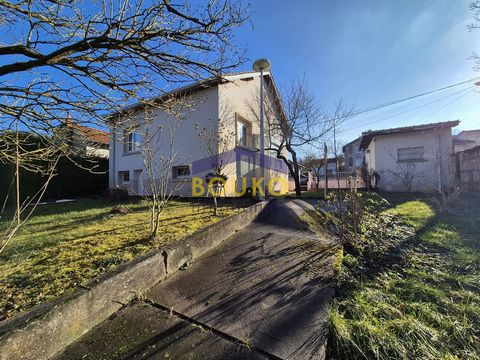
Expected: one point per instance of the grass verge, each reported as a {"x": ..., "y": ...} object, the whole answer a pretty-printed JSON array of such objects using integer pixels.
[
  {"x": 413, "y": 292},
  {"x": 66, "y": 245}
]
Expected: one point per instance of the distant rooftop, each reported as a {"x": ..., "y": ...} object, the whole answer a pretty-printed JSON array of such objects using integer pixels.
[{"x": 94, "y": 135}]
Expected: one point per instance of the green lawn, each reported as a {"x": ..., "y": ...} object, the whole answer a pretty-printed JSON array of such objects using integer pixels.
[
  {"x": 419, "y": 298},
  {"x": 66, "y": 245}
]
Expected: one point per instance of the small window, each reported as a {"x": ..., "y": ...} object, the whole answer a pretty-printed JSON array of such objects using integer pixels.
[
  {"x": 242, "y": 134},
  {"x": 180, "y": 171},
  {"x": 411, "y": 154},
  {"x": 124, "y": 177},
  {"x": 133, "y": 141},
  {"x": 350, "y": 161}
]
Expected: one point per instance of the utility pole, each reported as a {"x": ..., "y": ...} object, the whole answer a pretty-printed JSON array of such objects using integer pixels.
[
  {"x": 262, "y": 65},
  {"x": 325, "y": 163}
]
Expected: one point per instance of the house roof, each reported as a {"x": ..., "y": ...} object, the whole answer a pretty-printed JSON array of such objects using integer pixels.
[
  {"x": 459, "y": 138},
  {"x": 467, "y": 131},
  {"x": 472, "y": 151},
  {"x": 351, "y": 142},
  {"x": 94, "y": 135},
  {"x": 368, "y": 136},
  {"x": 202, "y": 85},
  {"x": 458, "y": 141}
]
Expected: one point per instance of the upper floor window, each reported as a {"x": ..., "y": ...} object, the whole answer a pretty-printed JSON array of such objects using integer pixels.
[
  {"x": 350, "y": 161},
  {"x": 133, "y": 141},
  {"x": 411, "y": 154},
  {"x": 242, "y": 133}
]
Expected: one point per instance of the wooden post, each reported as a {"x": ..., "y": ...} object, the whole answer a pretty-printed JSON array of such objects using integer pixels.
[
  {"x": 325, "y": 164},
  {"x": 17, "y": 177}
]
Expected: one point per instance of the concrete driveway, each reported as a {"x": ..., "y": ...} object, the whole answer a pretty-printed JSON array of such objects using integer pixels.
[{"x": 262, "y": 294}]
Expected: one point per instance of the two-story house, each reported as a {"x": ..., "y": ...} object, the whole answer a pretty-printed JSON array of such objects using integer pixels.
[
  {"x": 353, "y": 154},
  {"x": 225, "y": 106}
]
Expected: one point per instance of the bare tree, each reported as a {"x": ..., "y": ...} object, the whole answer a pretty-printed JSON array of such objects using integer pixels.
[
  {"x": 88, "y": 61},
  {"x": 338, "y": 116},
  {"x": 92, "y": 60},
  {"x": 475, "y": 25},
  {"x": 405, "y": 173},
  {"x": 314, "y": 164},
  {"x": 302, "y": 124},
  {"x": 28, "y": 206},
  {"x": 159, "y": 156},
  {"x": 215, "y": 142}
]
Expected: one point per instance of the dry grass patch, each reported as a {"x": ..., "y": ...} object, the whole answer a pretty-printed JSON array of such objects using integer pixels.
[{"x": 66, "y": 245}]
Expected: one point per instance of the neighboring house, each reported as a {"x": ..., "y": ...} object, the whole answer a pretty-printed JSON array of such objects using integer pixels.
[
  {"x": 331, "y": 167},
  {"x": 224, "y": 105},
  {"x": 85, "y": 141},
  {"x": 465, "y": 140},
  {"x": 411, "y": 158},
  {"x": 354, "y": 155}
]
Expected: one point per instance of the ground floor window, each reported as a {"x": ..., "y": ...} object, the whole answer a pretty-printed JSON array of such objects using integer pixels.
[
  {"x": 180, "y": 171},
  {"x": 124, "y": 177},
  {"x": 411, "y": 154}
]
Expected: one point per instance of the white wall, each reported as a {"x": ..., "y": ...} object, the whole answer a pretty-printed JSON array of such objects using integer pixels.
[
  {"x": 225, "y": 102},
  {"x": 382, "y": 157},
  {"x": 238, "y": 97},
  {"x": 473, "y": 136},
  {"x": 187, "y": 146}
]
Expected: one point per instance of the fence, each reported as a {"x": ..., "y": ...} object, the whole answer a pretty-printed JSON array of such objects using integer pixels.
[
  {"x": 340, "y": 180},
  {"x": 467, "y": 164}
]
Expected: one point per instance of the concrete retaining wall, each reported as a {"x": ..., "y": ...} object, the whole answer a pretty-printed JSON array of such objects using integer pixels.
[{"x": 49, "y": 328}]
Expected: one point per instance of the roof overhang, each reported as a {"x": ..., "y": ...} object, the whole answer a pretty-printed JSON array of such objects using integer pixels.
[
  {"x": 199, "y": 86},
  {"x": 368, "y": 136}
]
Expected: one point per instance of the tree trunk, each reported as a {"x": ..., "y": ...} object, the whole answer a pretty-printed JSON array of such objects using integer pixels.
[
  {"x": 215, "y": 206},
  {"x": 296, "y": 172}
]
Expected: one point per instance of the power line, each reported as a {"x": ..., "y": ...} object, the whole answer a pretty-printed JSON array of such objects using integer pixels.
[
  {"x": 467, "y": 90},
  {"x": 413, "y": 97},
  {"x": 394, "y": 102},
  {"x": 444, "y": 106}
]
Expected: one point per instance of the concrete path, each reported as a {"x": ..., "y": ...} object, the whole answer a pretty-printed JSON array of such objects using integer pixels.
[{"x": 262, "y": 294}]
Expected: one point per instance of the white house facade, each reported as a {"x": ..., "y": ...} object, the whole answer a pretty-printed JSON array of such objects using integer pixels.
[
  {"x": 465, "y": 140},
  {"x": 413, "y": 158},
  {"x": 223, "y": 107}
]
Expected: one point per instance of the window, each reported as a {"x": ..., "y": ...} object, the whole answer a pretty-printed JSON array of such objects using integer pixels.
[
  {"x": 124, "y": 177},
  {"x": 411, "y": 154},
  {"x": 242, "y": 133},
  {"x": 180, "y": 171},
  {"x": 350, "y": 161},
  {"x": 132, "y": 142}
]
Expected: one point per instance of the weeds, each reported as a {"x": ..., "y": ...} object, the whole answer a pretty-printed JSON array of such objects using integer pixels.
[{"x": 409, "y": 283}]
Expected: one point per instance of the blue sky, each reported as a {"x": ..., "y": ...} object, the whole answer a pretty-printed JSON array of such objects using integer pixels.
[{"x": 371, "y": 52}]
